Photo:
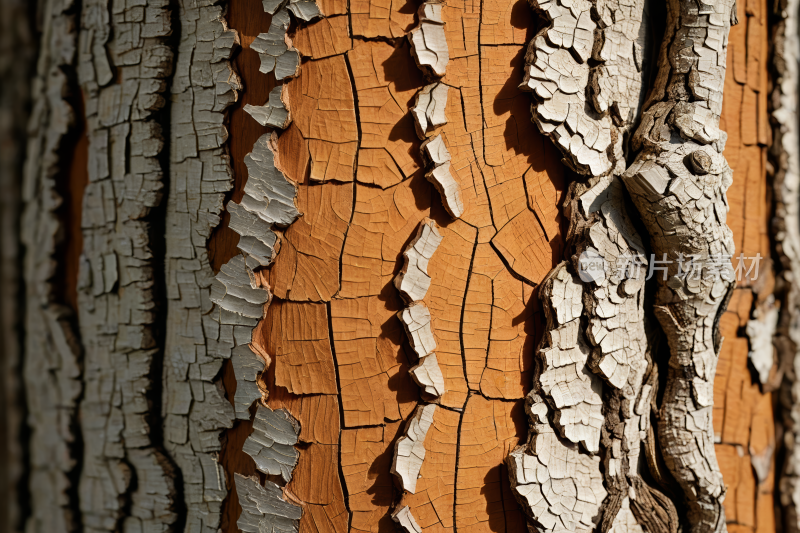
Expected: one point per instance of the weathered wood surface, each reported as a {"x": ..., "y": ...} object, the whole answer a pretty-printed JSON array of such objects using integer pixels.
[
  {"x": 668, "y": 517},
  {"x": 357, "y": 210},
  {"x": 123, "y": 63}
]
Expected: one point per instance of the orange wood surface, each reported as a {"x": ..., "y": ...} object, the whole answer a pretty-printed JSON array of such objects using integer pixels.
[{"x": 340, "y": 359}]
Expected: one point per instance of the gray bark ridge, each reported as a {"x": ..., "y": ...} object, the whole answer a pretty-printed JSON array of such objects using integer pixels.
[
  {"x": 558, "y": 485},
  {"x": 127, "y": 481},
  {"x": 200, "y": 335},
  {"x": 602, "y": 233},
  {"x": 588, "y": 111},
  {"x": 52, "y": 354}
]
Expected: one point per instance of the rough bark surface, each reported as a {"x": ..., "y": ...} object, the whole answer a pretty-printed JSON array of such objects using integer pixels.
[
  {"x": 358, "y": 174},
  {"x": 51, "y": 396},
  {"x": 678, "y": 183},
  {"x": 200, "y": 332},
  {"x": 124, "y": 61},
  {"x": 786, "y": 228},
  {"x": 611, "y": 260},
  {"x": 17, "y": 67},
  {"x": 353, "y": 223},
  {"x": 674, "y": 141}
]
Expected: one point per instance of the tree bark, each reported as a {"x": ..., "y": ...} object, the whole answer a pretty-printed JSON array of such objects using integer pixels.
[{"x": 328, "y": 266}]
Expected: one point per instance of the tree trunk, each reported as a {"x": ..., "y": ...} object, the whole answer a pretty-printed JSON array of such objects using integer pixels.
[{"x": 328, "y": 266}]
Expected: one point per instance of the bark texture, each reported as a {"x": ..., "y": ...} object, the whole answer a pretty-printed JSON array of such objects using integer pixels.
[
  {"x": 553, "y": 79},
  {"x": 200, "y": 334},
  {"x": 17, "y": 65},
  {"x": 51, "y": 396},
  {"x": 786, "y": 227},
  {"x": 678, "y": 183},
  {"x": 324, "y": 266}
]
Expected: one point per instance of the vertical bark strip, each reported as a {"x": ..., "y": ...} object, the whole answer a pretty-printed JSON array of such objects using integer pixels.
[
  {"x": 17, "y": 68},
  {"x": 241, "y": 288},
  {"x": 124, "y": 62},
  {"x": 559, "y": 486},
  {"x": 589, "y": 111},
  {"x": 200, "y": 336},
  {"x": 52, "y": 355},
  {"x": 786, "y": 232},
  {"x": 743, "y": 411},
  {"x": 684, "y": 225},
  {"x": 678, "y": 184},
  {"x": 603, "y": 233}
]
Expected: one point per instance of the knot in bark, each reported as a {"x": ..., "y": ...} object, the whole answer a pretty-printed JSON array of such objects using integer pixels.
[{"x": 698, "y": 162}]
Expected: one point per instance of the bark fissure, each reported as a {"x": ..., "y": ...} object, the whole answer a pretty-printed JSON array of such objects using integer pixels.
[{"x": 340, "y": 411}]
